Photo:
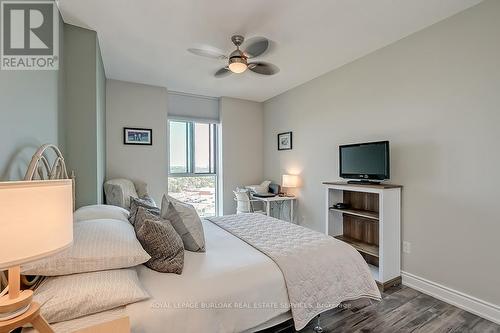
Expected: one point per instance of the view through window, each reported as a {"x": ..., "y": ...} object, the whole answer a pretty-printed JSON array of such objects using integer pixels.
[{"x": 192, "y": 170}]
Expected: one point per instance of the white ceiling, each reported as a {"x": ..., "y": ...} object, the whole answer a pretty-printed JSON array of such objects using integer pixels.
[{"x": 146, "y": 41}]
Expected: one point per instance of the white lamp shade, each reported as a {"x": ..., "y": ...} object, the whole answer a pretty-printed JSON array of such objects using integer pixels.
[
  {"x": 36, "y": 220},
  {"x": 290, "y": 181}
]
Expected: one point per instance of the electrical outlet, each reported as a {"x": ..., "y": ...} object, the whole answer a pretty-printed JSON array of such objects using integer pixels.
[{"x": 406, "y": 247}]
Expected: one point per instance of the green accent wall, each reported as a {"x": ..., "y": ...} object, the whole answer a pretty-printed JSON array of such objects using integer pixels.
[
  {"x": 31, "y": 114},
  {"x": 85, "y": 109}
]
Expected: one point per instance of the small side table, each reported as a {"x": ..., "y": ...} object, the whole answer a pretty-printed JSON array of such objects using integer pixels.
[
  {"x": 121, "y": 325},
  {"x": 269, "y": 200}
]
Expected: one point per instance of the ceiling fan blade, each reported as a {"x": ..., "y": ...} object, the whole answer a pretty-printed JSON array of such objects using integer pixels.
[
  {"x": 223, "y": 72},
  {"x": 214, "y": 54},
  {"x": 256, "y": 46},
  {"x": 263, "y": 68}
]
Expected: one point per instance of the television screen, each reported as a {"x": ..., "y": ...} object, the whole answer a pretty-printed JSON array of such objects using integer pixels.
[{"x": 365, "y": 160}]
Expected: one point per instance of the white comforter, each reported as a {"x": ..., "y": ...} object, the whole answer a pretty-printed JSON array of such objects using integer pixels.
[
  {"x": 320, "y": 271},
  {"x": 234, "y": 287},
  {"x": 241, "y": 287}
]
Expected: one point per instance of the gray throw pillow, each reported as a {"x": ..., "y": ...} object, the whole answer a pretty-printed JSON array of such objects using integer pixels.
[
  {"x": 161, "y": 242},
  {"x": 185, "y": 221},
  {"x": 142, "y": 214},
  {"x": 145, "y": 202}
]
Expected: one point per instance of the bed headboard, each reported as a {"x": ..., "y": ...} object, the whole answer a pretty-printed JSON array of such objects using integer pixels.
[{"x": 41, "y": 169}]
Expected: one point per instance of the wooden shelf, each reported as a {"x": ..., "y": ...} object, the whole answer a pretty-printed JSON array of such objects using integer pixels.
[
  {"x": 360, "y": 246},
  {"x": 357, "y": 212},
  {"x": 372, "y": 225}
]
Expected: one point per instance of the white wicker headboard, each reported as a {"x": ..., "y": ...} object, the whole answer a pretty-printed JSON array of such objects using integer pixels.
[{"x": 41, "y": 169}]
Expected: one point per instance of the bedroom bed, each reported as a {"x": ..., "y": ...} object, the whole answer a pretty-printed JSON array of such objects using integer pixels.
[
  {"x": 238, "y": 287},
  {"x": 257, "y": 272},
  {"x": 242, "y": 290}
]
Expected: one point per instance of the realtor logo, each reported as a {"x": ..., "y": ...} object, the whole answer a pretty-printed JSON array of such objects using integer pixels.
[{"x": 29, "y": 35}]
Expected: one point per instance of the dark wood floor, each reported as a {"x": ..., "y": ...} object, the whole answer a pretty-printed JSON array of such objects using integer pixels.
[{"x": 402, "y": 309}]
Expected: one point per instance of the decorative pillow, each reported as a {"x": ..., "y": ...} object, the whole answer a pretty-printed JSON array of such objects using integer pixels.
[
  {"x": 263, "y": 188},
  {"x": 143, "y": 214},
  {"x": 144, "y": 202},
  {"x": 71, "y": 296},
  {"x": 97, "y": 245},
  {"x": 161, "y": 241},
  {"x": 119, "y": 191},
  {"x": 94, "y": 212},
  {"x": 185, "y": 221},
  {"x": 147, "y": 200}
]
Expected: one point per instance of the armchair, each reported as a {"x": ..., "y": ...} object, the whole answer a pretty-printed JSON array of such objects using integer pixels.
[{"x": 118, "y": 191}]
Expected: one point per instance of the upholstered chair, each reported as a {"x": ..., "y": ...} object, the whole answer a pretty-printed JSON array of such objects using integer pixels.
[{"x": 118, "y": 191}]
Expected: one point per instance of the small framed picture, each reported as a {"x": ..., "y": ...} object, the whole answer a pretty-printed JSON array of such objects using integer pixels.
[
  {"x": 137, "y": 136},
  {"x": 285, "y": 141}
]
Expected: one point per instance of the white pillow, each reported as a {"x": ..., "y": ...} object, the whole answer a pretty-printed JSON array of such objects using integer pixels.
[
  {"x": 71, "y": 296},
  {"x": 94, "y": 212},
  {"x": 263, "y": 188},
  {"x": 97, "y": 245}
]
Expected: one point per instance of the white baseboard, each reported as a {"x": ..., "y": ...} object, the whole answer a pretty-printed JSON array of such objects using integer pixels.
[{"x": 466, "y": 302}]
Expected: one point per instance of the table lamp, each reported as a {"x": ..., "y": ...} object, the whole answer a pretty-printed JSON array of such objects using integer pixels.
[
  {"x": 36, "y": 221},
  {"x": 290, "y": 181}
]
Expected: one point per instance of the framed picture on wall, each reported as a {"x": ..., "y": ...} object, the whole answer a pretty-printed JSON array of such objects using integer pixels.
[
  {"x": 285, "y": 141},
  {"x": 137, "y": 136}
]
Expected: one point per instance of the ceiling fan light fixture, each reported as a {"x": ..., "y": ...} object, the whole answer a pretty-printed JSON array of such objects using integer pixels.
[
  {"x": 237, "y": 61},
  {"x": 237, "y": 65}
]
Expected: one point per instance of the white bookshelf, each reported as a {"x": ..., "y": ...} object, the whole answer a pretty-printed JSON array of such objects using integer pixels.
[{"x": 372, "y": 225}]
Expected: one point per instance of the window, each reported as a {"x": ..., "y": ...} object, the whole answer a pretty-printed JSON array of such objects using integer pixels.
[{"x": 193, "y": 160}]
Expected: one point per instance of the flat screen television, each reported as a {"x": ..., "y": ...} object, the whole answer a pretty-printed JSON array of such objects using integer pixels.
[{"x": 365, "y": 161}]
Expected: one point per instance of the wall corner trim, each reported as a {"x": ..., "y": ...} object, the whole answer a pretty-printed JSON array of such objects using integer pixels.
[{"x": 454, "y": 297}]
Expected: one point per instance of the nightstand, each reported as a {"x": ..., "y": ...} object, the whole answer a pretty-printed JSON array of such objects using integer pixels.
[{"x": 121, "y": 325}]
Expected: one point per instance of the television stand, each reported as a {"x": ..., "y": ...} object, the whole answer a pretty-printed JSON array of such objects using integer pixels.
[
  {"x": 363, "y": 182},
  {"x": 371, "y": 224}
]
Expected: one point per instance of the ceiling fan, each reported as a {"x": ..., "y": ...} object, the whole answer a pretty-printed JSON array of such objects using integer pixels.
[{"x": 238, "y": 59}]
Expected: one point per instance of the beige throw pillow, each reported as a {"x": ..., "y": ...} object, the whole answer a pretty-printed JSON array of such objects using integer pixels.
[
  {"x": 71, "y": 296},
  {"x": 185, "y": 221},
  {"x": 97, "y": 245}
]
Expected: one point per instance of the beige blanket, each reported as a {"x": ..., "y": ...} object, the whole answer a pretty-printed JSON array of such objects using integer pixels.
[{"x": 320, "y": 272}]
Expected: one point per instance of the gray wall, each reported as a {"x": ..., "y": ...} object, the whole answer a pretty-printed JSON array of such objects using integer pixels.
[
  {"x": 435, "y": 96},
  {"x": 84, "y": 113},
  {"x": 31, "y": 114},
  {"x": 242, "y": 147},
  {"x": 137, "y": 105}
]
